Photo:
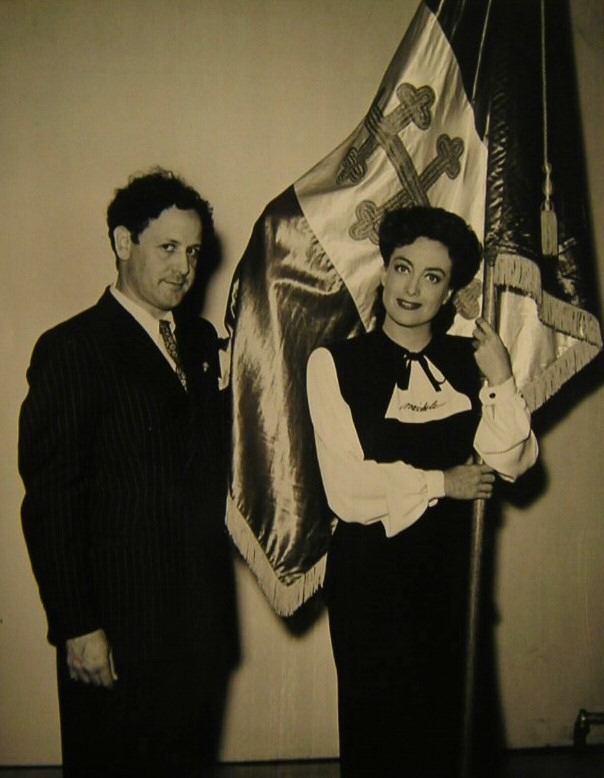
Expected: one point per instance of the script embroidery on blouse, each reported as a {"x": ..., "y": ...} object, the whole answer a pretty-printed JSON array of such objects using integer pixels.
[
  {"x": 421, "y": 402},
  {"x": 423, "y": 407}
]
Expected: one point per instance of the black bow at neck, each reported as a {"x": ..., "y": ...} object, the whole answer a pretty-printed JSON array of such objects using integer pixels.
[{"x": 404, "y": 370}]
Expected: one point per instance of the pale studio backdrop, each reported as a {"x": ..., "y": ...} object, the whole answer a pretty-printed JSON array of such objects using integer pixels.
[{"x": 242, "y": 97}]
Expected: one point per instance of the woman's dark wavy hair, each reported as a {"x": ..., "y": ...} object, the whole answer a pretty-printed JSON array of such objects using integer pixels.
[
  {"x": 146, "y": 196},
  {"x": 404, "y": 225}
]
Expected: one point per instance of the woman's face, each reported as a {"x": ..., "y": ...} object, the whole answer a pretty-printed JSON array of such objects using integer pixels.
[{"x": 416, "y": 283}]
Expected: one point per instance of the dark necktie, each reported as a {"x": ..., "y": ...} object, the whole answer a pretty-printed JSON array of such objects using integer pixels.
[{"x": 172, "y": 349}]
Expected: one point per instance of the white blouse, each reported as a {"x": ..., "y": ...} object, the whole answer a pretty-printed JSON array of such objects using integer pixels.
[{"x": 397, "y": 494}]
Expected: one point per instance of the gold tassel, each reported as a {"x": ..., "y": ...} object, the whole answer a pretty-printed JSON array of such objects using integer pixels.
[
  {"x": 549, "y": 230},
  {"x": 549, "y": 221}
]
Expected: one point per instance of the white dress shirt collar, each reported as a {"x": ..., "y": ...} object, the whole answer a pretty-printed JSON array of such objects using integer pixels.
[{"x": 146, "y": 320}]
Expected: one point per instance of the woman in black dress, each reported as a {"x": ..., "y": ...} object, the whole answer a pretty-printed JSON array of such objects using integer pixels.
[{"x": 398, "y": 414}]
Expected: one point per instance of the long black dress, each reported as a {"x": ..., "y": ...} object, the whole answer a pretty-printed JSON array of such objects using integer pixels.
[{"x": 397, "y": 605}]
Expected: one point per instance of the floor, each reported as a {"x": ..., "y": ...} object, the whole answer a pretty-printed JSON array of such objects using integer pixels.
[{"x": 558, "y": 763}]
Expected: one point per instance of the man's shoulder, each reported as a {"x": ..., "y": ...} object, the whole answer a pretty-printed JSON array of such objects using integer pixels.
[
  {"x": 78, "y": 328},
  {"x": 198, "y": 331},
  {"x": 79, "y": 321},
  {"x": 198, "y": 341},
  {"x": 205, "y": 329}
]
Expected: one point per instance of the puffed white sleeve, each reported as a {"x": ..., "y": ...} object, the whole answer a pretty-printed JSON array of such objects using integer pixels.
[
  {"x": 357, "y": 489},
  {"x": 504, "y": 438}
]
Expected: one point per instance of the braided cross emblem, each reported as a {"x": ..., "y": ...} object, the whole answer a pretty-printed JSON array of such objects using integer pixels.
[
  {"x": 383, "y": 131},
  {"x": 414, "y": 108}
]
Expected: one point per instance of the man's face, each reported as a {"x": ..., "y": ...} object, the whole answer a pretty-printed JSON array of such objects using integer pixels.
[{"x": 159, "y": 270}]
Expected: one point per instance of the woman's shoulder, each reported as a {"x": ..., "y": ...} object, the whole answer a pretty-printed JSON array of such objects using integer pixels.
[
  {"x": 459, "y": 344},
  {"x": 454, "y": 356},
  {"x": 358, "y": 361},
  {"x": 358, "y": 345}
]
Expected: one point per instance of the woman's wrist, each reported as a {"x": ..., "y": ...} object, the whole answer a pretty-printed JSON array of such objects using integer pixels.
[{"x": 499, "y": 378}]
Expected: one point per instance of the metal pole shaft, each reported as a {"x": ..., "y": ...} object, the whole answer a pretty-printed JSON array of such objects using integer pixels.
[
  {"x": 476, "y": 554},
  {"x": 478, "y": 517}
]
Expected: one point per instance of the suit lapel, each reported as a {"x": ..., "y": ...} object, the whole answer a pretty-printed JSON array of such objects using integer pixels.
[
  {"x": 139, "y": 356},
  {"x": 135, "y": 349}
]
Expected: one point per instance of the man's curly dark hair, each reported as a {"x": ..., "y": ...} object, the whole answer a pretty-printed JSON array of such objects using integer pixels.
[{"x": 147, "y": 195}]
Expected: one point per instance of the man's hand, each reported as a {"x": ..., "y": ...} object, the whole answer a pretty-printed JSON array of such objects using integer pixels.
[
  {"x": 490, "y": 354},
  {"x": 90, "y": 660},
  {"x": 469, "y": 482}
]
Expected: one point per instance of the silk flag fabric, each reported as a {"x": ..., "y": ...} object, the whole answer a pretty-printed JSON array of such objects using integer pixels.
[{"x": 459, "y": 121}]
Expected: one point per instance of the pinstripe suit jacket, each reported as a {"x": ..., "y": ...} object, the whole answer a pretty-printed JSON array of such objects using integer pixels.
[{"x": 125, "y": 477}]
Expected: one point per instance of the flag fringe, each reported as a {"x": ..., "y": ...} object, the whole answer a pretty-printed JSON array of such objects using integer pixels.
[
  {"x": 522, "y": 275},
  {"x": 284, "y": 598},
  {"x": 552, "y": 377}
]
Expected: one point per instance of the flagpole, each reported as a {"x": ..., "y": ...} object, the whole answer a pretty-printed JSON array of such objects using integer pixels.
[{"x": 476, "y": 556}]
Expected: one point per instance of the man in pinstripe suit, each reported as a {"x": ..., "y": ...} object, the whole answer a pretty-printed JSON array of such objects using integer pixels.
[{"x": 123, "y": 455}]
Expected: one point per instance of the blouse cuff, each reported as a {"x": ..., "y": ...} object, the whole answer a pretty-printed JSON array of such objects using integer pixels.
[{"x": 493, "y": 395}]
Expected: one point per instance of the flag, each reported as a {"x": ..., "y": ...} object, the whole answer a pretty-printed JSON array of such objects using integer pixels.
[{"x": 479, "y": 98}]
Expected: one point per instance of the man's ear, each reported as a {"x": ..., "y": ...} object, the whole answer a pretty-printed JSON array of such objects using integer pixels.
[
  {"x": 123, "y": 242},
  {"x": 448, "y": 297}
]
